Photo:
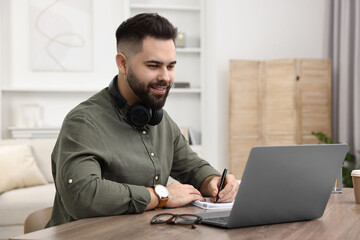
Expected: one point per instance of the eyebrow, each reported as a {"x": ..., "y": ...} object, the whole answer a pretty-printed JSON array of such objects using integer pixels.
[{"x": 158, "y": 62}]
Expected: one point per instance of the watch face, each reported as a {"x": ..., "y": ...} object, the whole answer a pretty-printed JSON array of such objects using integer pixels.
[{"x": 161, "y": 191}]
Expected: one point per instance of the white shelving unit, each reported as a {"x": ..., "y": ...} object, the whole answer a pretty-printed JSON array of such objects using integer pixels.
[
  {"x": 184, "y": 105},
  {"x": 57, "y": 97}
]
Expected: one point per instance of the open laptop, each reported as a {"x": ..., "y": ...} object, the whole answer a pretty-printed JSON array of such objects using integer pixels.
[{"x": 283, "y": 184}]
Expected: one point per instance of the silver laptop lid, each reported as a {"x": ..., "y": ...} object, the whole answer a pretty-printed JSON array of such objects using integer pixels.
[{"x": 286, "y": 183}]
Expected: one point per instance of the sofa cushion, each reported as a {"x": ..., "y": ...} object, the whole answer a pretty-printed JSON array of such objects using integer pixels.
[
  {"x": 18, "y": 168},
  {"x": 41, "y": 148},
  {"x": 17, "y": 204}
]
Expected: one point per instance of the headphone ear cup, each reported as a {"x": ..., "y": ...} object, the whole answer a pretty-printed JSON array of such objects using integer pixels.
[
  {"x": 139, "y": 115},
  {"x": 156, "y": 117}
]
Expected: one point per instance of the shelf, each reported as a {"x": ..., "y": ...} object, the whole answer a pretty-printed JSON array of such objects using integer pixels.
[
  {"x": 185, "y": 90},
  {"x": 188, "y": 50},
  {"x": 165, "y": 7},
  {"x": 34, "y": 132},
  {"x": 46, "y": 90}
]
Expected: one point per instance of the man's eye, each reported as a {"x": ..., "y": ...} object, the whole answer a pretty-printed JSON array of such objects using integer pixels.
[
  {"x": 152, "y": 66},
  {"x": 170, "y": 67}
]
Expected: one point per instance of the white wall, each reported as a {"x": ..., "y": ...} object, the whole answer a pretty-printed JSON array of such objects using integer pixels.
[
  {"x": 241, "y": 29},
  {"x": 256, "y": 30},
  {"x": 105, "y": 21}
]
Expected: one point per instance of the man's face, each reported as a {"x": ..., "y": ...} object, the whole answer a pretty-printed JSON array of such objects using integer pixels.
[{"x": 151, "y": 73}]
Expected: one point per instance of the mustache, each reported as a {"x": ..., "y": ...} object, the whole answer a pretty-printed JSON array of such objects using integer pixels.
[{"x": 160, "y": 84}]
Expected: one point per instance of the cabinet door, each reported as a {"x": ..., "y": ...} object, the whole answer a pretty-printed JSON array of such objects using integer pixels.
[
  {"x": 244, "y": 112},
  {"x": 279, "y": 102},
  {"x": 314, "y": 98}
]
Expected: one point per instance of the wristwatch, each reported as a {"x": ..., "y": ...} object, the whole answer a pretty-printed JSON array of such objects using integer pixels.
[{"x": 162, "y": 193}]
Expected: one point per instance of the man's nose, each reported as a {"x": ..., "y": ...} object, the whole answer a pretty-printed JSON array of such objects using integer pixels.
[{"x": 164, "y": 75}]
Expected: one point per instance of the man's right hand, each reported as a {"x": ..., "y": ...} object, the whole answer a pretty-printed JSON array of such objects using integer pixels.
[
  {"x": 179, "y": 195},
  {"x": 182, "y": 194}
]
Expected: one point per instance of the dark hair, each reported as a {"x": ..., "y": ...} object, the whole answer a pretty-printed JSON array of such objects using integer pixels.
[{"x": 136, "y": 28}]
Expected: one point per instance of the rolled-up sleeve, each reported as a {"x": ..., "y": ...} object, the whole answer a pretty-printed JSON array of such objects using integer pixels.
[{"x": 84, "y": 191}]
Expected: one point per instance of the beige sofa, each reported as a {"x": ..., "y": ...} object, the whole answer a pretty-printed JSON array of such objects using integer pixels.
[{"x": 16, "y": 204}]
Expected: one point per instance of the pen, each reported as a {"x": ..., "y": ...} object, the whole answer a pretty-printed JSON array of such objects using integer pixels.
[{"x": 221, "y": 183}]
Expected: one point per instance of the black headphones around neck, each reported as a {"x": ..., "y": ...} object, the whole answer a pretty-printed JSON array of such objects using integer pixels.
[{"x": 139, "y": 115}]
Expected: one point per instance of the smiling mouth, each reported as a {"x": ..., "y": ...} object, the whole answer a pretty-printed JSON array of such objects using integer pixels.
[{"x": 159, "y": 89}]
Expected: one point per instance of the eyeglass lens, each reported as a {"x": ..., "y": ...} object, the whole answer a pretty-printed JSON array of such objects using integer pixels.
[
  {"x": 162, "y": 218},
  {"x": 186, "y": 219},
  {"x": 182, "y": 219}
]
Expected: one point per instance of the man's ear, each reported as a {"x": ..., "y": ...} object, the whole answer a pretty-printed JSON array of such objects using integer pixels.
[{"x": 122, "y": 63}]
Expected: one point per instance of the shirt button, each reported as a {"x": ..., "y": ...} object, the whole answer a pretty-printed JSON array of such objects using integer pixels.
[
  {"x": 156, "y": 178},
  {"x": 144, "y": 132},
  {"x": 70, "y": 180},
  {"x": 152, "y": 154}
]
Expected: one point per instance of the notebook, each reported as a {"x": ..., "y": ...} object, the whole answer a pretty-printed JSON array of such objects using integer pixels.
[
  {"x": 283, "y": 184},
  {"x": 210, "y": 205}
]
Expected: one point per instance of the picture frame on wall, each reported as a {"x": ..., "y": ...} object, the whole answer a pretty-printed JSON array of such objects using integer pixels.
[{"x": 61, "y": 35}]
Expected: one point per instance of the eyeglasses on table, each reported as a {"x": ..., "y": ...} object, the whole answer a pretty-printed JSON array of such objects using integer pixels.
[{"x": 176, "y": 219}]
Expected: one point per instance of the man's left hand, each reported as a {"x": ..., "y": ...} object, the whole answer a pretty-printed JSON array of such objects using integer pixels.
[{"x": 211, "y": 184}]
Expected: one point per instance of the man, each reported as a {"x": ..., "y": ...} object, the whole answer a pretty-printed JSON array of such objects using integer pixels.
[{"x": 116, "y": 151}]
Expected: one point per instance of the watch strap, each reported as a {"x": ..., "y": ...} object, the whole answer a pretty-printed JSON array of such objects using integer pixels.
[{"x": 162, "y": 200}]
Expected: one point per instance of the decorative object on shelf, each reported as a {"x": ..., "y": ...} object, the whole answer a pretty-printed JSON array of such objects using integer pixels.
[
  {"x": 30, "y": 115},
  {"x": 185, "y": 132},
  {"x": 61, "y": 35},
  {"x": 192, "y": 140},
  {"x": 181, "y": 85},
  {"x": 180, "y": 40},
  {"x": 188, "y": 133}
]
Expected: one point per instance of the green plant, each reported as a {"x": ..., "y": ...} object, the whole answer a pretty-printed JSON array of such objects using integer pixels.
[{"x": 349, "y": 158}]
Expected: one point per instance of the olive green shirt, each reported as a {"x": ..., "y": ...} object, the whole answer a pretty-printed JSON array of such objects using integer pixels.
[{"x": 102, "y": 165}]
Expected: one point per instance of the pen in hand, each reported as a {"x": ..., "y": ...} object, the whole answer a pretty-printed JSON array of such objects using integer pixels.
[{"x": 221, "y": 183}]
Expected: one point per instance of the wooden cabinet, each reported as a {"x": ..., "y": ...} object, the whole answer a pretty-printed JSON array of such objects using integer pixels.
[{"x": 276, "y": 102}]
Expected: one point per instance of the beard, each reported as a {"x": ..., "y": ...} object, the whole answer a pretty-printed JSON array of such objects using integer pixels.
[{"x": 143, "y": 91}]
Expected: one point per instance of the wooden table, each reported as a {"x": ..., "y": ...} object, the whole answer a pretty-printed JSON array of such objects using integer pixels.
[{"x": 341, "y": 220}]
